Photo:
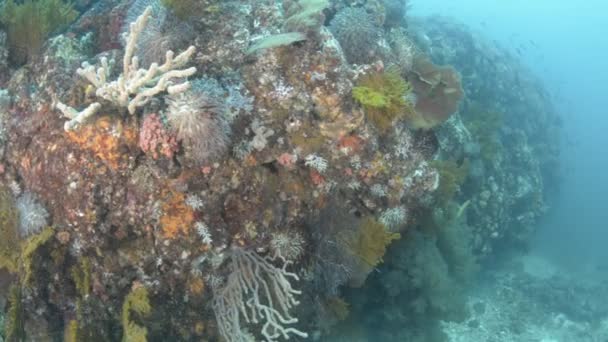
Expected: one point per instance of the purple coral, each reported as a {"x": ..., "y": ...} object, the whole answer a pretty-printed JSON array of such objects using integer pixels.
[{"x": 155, "y": 139}]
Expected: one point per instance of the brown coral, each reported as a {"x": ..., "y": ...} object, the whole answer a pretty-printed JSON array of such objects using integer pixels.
[{"x": 438, "y": 93}]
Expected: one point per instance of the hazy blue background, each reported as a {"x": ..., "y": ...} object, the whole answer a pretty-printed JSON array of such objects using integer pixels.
[{"x": 572, "y": 60}]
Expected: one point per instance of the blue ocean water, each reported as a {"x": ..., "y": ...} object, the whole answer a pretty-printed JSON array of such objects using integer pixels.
[{"x": 564, "y": 44}]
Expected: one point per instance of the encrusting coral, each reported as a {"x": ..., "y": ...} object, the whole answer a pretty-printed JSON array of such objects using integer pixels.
[{"x": 134, "y": 87}]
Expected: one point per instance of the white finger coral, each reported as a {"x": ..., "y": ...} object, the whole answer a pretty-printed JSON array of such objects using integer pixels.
[{"x": 135, "y": 86}]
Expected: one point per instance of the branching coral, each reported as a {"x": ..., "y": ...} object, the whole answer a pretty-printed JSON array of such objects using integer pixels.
[
  {"x": 164, "y": 31},
  {"x": 259, "y": 292},
  {"x": 30, "y": 22},
  {"x": 134, "y": 87}
]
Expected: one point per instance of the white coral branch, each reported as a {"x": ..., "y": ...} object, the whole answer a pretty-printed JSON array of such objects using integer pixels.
[
  {"x": 258, "y": 292},
  {"x": 77, "y": 118},
  {"x": 134, "y": 87}
]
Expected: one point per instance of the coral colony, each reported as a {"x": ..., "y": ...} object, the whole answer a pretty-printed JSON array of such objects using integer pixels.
[{"x": 255, "y": 170}]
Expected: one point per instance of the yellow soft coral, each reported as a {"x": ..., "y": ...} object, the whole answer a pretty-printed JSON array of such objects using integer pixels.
[
  {"x": 383, "y": 96},
  {"x": 372, "y": 241},
  {"x": 137, "y": 302}
]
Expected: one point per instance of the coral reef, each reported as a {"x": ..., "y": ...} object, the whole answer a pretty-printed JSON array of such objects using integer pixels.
[
  {"x": 512, "y": 154},
  {"x": 255, "y": 192}
]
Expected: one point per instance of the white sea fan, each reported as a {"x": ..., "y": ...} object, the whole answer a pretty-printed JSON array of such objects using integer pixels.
[
  {"x": 316, "y": 162},
  {"x": 32, "y": 215}
]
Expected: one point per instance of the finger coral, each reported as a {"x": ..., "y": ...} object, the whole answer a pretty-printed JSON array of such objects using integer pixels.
[{"x": 138, "y": 303}]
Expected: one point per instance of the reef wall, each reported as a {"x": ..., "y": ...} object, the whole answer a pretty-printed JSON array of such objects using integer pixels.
[{"x": 256, "y": 169}]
